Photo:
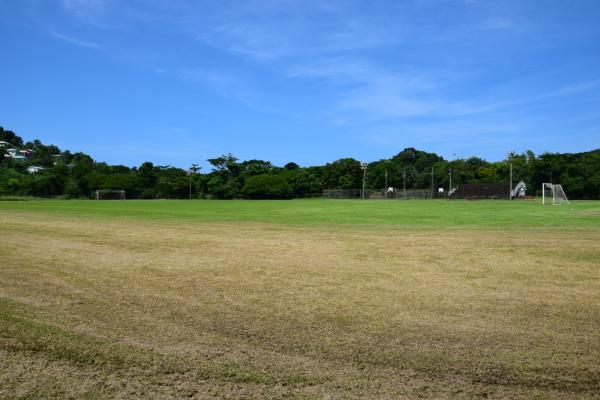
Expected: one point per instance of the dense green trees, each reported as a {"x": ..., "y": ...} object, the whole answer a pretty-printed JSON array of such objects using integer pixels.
[
  {"x": 10, "y": 137},
  {"x": 75, "y": 175},
  {"x": 304, "y": 184},
  {"x": 342, "y": 174},
  {"x": 266, "y": 186}
]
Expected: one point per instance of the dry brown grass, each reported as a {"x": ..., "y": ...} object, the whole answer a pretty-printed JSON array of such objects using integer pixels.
[{"x": 255, "y": 310}]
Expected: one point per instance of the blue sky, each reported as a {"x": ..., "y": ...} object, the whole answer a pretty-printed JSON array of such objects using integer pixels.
[{"x": 176, "y": 82}]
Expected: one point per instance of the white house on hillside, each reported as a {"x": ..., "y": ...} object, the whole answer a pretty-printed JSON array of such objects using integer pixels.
[
  {"x": 17, "y": 154},
  {"x": 14, "y": 154},
  {"x": 32, "y": 169}
]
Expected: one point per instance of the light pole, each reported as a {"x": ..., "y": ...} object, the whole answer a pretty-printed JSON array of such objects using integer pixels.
[
  {"x": 511, "y": 184},
  {"x": 193, "y": 169},
  {"x": 509, "y": 156},
  {"x": 363, "y": 166},
  {"x": 432, "y": 182},
  {"x": 386, "y": 185},
  {"x": 404, "y": 183},
  {"x": 450, "y": 174}
]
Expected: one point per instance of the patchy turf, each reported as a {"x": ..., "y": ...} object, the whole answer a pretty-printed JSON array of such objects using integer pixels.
[
  {"x": 299, "y": 299},
  {"x": 418, "y": 214}
]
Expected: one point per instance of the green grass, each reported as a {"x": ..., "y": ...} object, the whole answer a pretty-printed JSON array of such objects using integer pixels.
[{"x": 421, "y": 214}]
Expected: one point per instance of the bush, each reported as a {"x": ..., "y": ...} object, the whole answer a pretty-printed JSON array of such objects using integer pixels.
[{"x": 266, "y": 186}]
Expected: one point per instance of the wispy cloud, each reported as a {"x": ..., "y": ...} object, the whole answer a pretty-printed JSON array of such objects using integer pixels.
[
  {"x": 334, "y": 42},
  {"x": 225, "y": 83},
  {"x": 379, "y": 94},
  {"x": 495, "y": 23},
  {"x": 461, "y": 109},
  {"x": 75, "y": 41},
  {"x": 395, "y": 99},
  {"x": 290, "y": 35},
  {"x": 297, "y": 28},
  {"x": 374, "y": 92},
  {"x": 85, "y": 9}
]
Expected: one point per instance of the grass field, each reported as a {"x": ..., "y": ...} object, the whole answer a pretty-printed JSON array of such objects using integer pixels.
[{"x": 308, "y": 299}]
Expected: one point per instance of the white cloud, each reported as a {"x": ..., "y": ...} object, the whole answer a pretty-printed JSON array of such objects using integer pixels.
[
  {"x": 335, "y": 42},
  {"x": 75, "y": 41},
  {"x": 275, "y": 30},
  {"x": 225, "y": 83},
  {"x": 379, "y": 94},
  {"x": 85, "y": 9},
  {"x": 374, "y": 92},
  {"x": 496, "y": 23},
  {"x": 460, "y": 109}
]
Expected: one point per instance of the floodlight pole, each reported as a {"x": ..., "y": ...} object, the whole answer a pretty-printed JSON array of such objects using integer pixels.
[
  {"x": 511, "y": 183},
  {"x": 386, "y": 185},
  {"x": 509, "y": 160},
  {"x": 450, "y": 187},
  {"x": 432, "y": 182},
  {"x": 404, "y": 183},
  {"x": 363, "y": 166},
  {"x": 193, "y": 169}
]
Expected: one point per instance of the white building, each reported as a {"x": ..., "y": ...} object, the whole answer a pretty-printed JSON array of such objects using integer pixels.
[
  {"x": 17, "y": 154},
  {"x": 32, "y": 169}
]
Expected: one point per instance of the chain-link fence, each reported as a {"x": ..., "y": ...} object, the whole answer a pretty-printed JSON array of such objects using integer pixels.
[
  {"x": 475, "y": 191},
  {"x": 379, "y": 194}
]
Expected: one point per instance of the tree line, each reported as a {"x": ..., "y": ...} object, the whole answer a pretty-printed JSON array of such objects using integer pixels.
[{"x": 77, "y": 175}]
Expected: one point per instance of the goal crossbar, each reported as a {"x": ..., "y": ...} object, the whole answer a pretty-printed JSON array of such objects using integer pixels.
[{"x": 110, "y": 195}]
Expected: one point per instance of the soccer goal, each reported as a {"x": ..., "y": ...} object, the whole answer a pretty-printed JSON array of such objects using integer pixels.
[
  {"x": 110, "y": 195},
  {"x": 556, "y": 191}
]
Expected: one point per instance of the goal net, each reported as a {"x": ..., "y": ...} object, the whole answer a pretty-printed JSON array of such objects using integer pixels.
[
  {"x": 110, "y": 195},
  {"x": 554, "y": 192}
]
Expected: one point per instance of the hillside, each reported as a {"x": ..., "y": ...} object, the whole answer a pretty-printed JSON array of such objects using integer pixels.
[{"x": 33, "y": 168}]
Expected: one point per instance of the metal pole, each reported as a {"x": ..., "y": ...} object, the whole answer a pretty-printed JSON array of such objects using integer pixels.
[
  {"x": 404, "y": 183},
  {"x": 364, "y": 168},
  {"x": 191, "y": 171},
  {"x": 511, "y": 183},
  {"x": 450, "y": 187},
  {"x": 432, "y": 182},
  {"x": 386, "y": 185},
  {"x": 364, "y": 178}
]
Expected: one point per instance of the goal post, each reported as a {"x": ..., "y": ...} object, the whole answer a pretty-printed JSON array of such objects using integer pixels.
[
  {"x": 556, "y": 191},
  {"x": 110, "y": 195}
]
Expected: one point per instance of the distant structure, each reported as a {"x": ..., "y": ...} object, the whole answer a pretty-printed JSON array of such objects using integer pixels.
[
  {"x": 19, "y": 155},
  {"x": 519, "y": 191},
  {"x": 16, "y": 154},
  {"x": 475, "y": 191},
  {"x": 502, "y": 191},
  {"x": 32, "y": 169}
]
